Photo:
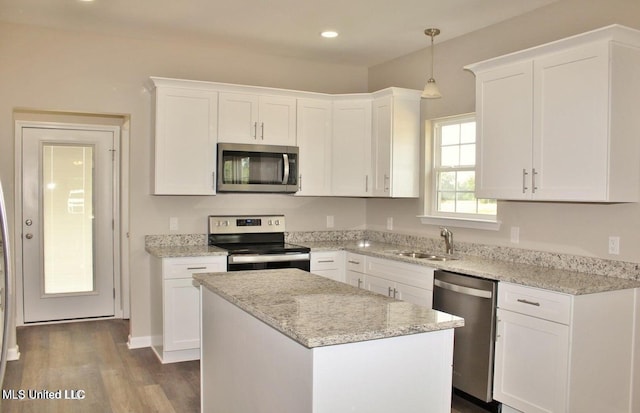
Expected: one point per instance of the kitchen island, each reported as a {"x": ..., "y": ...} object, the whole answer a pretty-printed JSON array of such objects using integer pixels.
[{"x": 278, "y": 341}]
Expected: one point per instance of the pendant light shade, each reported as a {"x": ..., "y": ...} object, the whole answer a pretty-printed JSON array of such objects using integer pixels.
[{"x": 431, "y": 90}]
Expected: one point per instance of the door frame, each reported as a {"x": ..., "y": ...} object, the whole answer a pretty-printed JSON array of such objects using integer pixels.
[{"x": 120, "y": 209}]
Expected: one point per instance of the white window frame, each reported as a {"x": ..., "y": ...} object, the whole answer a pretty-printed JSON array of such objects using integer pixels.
[{"x": 432, "y": 215}]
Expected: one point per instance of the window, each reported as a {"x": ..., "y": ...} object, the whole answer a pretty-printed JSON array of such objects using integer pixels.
[{"x": 454, "y": 173}]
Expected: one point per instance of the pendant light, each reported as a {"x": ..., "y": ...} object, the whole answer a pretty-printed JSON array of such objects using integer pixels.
[{"x": 431, "y": 90}]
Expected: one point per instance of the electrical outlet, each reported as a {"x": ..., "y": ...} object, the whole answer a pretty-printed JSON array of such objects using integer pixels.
[
  {"x": 515, "y": 235},
  {"x": 390, "y": 223},
  {"x": 614, "y": 245},
  {"x": 173, "y": 224},
  {"x": 329, "y": 221}
]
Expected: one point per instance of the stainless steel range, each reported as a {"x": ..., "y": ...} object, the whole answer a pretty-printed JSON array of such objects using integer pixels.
[{"x": 256, "y": 242}]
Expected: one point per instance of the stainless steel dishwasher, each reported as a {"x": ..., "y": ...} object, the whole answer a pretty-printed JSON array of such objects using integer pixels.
[{"x": 474, "y": 299}]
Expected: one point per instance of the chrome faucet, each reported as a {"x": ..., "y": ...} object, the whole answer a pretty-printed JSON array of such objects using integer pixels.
[{"x": 448, "y": 239}]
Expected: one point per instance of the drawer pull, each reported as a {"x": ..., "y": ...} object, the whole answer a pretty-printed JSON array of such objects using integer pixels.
[
  {"x": 354, "y": 262},
  {"x": 324, "y": 261},
  {"x": 523, "y": 301},
  {"x": 196, "y": 268}
]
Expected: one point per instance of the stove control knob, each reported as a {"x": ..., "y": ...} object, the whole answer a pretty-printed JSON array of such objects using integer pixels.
[
  {"x": 269, "y": 222},
  {"x": 277, "y": 222}
]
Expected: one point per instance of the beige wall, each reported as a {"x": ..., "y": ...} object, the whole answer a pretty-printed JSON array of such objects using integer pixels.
[
  {"x": 66, "y": 71},
  {"x": 581, "y": 229}
]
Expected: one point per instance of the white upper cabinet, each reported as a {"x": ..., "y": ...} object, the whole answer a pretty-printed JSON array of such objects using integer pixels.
[
  {"x": 185, "y": 127},
  {"x": 257, "y": 119},
  {"x": 395, "y": 143},
  {"x": 351, "y": 147},
  {"x": 559, "y": 122},
  {"x": 314, "y": 128}
]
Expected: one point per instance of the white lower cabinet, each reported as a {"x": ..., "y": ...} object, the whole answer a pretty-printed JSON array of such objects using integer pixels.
[
  {"x": 175, "y": 305},
  {"x": 408, "y": 282},
  {"x": 560, "y": 353},
  {"x": 354, "y": 270},
  {"x": 328, "y": 264}
]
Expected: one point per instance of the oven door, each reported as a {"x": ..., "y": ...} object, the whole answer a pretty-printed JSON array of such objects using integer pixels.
[
  {"x": 257, "y": 168},
  {"x": 240, "y": 262}
]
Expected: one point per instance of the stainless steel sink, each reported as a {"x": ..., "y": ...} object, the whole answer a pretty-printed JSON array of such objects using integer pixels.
[{"x": 425, "y": 256}]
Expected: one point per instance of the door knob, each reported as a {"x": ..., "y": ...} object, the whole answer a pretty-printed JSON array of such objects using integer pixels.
[
  {"x": 28, "y": 236},
  {"x": 28, "y": 222}
]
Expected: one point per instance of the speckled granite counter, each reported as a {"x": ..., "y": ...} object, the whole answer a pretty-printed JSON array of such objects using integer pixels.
[
  {"x": 173, "y": 251},
  {"x": 564, "y": 281},
  {"x": 316, "y": 311}
]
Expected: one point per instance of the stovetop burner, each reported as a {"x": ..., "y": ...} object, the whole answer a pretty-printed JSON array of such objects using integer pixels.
[{"x": 251, "y": 235}]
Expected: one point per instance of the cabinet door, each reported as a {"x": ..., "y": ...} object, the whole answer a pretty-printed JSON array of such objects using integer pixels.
[
  {"x": 238, "y": 118},
  {"x": 531, "y": 363},
  {"x": 380, "y": 285},
  {"x": 185, "y": 141},
  {"x": 314, "y": 143},
  {"x": 571, "y": 139},
  {"x": 182, "y": 315},
  {"x": 414, "y": 295},
  {"x": 504, "y": 116},
  {"x": 357, "y": 279},
  {"x": 277, "y": 120},
  {"x": 381, "y": 145},
  {"x": 351, "y": 148}
]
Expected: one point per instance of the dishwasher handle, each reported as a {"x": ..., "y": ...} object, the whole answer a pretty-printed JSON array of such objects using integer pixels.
[{"x": 462, "y": 289}]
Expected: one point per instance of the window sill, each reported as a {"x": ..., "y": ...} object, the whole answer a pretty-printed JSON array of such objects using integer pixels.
[{"x": 460, "y": 222}]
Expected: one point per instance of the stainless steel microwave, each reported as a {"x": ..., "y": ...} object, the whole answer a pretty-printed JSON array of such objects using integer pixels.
[{"x": 257, "y": 168}]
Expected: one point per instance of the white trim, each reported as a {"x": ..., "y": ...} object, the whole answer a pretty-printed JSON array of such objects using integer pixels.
[
  {"x": 460, "y": 222},
  {"x": 138, "y": 342},
  {"x": 13, "y": 353}
]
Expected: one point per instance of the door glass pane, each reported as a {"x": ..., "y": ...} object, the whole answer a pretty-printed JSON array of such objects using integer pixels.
[{"x": 68, "y": 218}]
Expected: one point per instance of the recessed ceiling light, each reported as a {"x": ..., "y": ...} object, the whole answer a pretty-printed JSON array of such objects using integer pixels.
[{"x": 329, "y": 34}]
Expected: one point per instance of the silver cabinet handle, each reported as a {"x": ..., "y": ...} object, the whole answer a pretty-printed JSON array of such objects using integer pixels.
[
  {"x": 523, "y": 301},
  {"x": 324, "y": 261},
  {"x": 353, "y": 262},
  {"x": 255, "y": 130},
  {"x": 386, "y": 183},
  {"x": 359, "y": 283},
  {"x": 533, "y": 180},
  {"x": 389, "y": 294},
  {"x": 262, "y": 132},
  {"x": 300, "y": 182},
  {"x": 524, "y": 181},
  {"x": 213, "y": 175},
  {"x": 28, "y": 236},
  {"x": 196, "y": 268},
  {"x": 366, "y": 183}
]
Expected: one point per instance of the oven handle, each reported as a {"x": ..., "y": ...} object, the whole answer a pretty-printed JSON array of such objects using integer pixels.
[
  {"x": 250, "y": 258},
  {"x": 462, "y": 289}
]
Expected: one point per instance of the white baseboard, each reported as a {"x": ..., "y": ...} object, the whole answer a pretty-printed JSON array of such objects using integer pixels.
[
  {"x": 139, "y": 342},
  {"x": 13, "y": 353}
]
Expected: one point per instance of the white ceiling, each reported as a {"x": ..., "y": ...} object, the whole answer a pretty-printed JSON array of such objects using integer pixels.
[{"x": 371, "y": 31}]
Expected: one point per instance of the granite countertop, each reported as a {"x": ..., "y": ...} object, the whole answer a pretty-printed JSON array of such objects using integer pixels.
[
  {"x": 316, "y": 311},
  {"x": 564, "y": 281},
  {"x": 162, "y": 251}
]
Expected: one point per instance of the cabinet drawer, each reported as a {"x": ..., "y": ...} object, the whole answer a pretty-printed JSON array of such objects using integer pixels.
[
  {"x": 185, "y": 267},
  {"x": 326, "y": 260},
  {"x": 355, "y": 262},
  {"x": 547, "y": 305},
  {"x": 409, "y": 274}
]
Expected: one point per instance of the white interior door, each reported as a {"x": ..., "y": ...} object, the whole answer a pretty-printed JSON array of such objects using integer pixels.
[{"x": 68, "y": 223}]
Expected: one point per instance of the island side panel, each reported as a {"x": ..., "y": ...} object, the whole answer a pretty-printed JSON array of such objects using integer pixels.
[
  {"x": 247, "y": 366},
  {"x": 406, "y": 374}
]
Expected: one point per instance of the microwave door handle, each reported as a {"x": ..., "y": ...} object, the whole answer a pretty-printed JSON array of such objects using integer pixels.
[{"x": 285, "y": 179}]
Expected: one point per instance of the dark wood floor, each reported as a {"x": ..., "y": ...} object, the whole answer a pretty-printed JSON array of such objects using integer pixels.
[{"x": 93, "y": 357}]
